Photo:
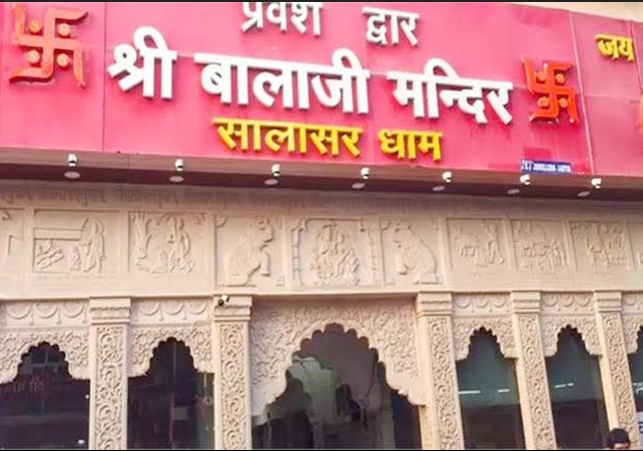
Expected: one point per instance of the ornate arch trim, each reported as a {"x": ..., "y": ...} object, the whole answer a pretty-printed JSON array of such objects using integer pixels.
[
  {"x": 276, "y": 333},
  {"x": 144, "y": 340},
  {"x": 500, "y": 328},
  {"x": 632, "y": 325},
  {"x": 552, "y": 326},
  {"x": 74, "y": 343}
]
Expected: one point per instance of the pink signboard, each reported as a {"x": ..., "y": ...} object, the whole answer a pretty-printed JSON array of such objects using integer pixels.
[{"x": 385, "y": 83}]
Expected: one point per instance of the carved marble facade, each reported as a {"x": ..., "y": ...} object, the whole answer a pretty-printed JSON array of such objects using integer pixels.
[{"x": 109, "y": 272}]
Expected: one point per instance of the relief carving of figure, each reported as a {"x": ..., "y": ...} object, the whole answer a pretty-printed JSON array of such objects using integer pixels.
[
  {"x": 604, "y": 244},
  {"x": 249, "y": 255},
  {"x": 334, "y": 260},
  {"x": 535, "y": 250},
  {"x": 167, "y": 250},
  {"x": 88, "y": 253},
  {"x": 484, "y": 252},
  {"x": 413, "y": 255}
]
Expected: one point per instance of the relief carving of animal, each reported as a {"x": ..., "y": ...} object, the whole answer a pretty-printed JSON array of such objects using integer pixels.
[
  {"x": 249, "y": 256},
  {"x": 413, "y": 255}
]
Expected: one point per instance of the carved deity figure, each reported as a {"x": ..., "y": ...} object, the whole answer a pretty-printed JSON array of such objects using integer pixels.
[
  {"x": 167, "y": 250},
  {"x": 249, "y": 255},
  {"x": 413, "y": 255},
  {"x": 88, "y": 253},
  {"x": 334, "y": 260}
]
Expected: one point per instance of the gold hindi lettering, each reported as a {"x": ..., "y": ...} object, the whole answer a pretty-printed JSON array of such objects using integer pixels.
[
  {"x": 245, "y": 135},
  {"x": 615, "y": 47},
  {"x": 405, "y": 144}
]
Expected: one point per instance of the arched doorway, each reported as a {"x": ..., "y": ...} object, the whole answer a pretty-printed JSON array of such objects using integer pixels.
[
  {"x": 636, "y": 371},
  {"x": 171, "y": 406},
  {"x": 489, "y": 398},
  {"x": 44, "y": 407},
  {"x": 337, "y": 397},
  {"x": 576, "y": 393}
]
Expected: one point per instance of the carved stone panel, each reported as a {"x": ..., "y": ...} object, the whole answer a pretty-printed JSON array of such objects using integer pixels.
[
  {"x": 73, "y": 342},
  {"x": 43, "y": 314},
  {"x": 277, "y": 331},
  {"x": 567, "y": 304},
  {"x": 145, "y": 339},
  {"x": 171, "y": 312},
  {"x": 552, "y": 326},
  {"x": 12, "y": 242},
  {"x": 636, "y": 235},
  {"x": 501, "y": 328},
  {"x": 75, "y": 243},
  {"x": 249, "y": 252},
  {"x": 477, "y": 245},
  {"x": 600, "y": 246},
  {"x": 167, "y": 244},
  {"x": 334, "y": 253},
  {"x": 477, "y": 305},
  {"x": 539, "y": 246},
  {"x": 412, "y": 250}
]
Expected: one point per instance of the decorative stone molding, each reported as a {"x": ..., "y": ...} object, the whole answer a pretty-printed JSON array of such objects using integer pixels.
[
  {"x": 108, "y": 399},
  {"x": 276, "y": 333},
  {"x": 15, "y": 344},
  {"x": 440, "y": 418},
  {"x": 532, "y": 373},
  {"x": 552, "y": 326},
  {"x": 500, "y": 328},
  {"x": 144, "y": 340},
  {"x": 233, "y": 425},
  {"x": 22, "y": 314},
  {"x": 617, "y": 383},
  {"x": 632, "y": 325}
]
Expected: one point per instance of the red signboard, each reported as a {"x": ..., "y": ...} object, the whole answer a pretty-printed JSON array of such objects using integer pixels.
[{"x": 430, "y": 84}]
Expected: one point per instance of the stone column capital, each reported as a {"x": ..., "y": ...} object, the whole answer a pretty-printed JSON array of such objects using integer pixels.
[
  {"x": 109, "y": 310},
  {"x": 232, "y": 308},
  {"x": 525, "y": 302},
  {"x": 434, "y": 304},
  {"x": 608, "y": 301}
]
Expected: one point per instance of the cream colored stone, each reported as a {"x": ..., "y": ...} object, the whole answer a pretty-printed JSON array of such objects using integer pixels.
[{"x": 522, "y": 269}]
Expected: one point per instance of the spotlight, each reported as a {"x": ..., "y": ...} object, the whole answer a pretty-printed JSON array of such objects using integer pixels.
[
  {"x": 179, "y": 165},
  {"x": 72, "y": 162},
  {"x": 276, "y": 170},
  {"x": 447, "y": 176},
  {"x": 224, "y": 299},
  {"x": 597, "y": 182},
  {"x": 365, "y": 173},
  {"x": 525, "y": 179}
]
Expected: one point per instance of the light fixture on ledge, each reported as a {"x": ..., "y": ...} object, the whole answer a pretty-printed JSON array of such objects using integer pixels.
[
  {"x": 179, "y": 167},
  {"x": 447, "y": 176},
  {"x": 276, "y": 174},
  {"x": 72, "y": 163},
  {"x": 525, "y": 179},
  {"x": 597, "y": 183},
  {"x": 365, "y": 174}
]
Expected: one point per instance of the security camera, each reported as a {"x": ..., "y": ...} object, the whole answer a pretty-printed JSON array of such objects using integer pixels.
[
  {"x": 366, "y": 173},
  {"x": 597, "y": 182},
  {"x": 447, "y": 176},
  {"x": 276, "y": 170},
  {"x": 179, "y": 165},
  {"x": 72, "y": 160},
  {"x": 224, "y": 299}
]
